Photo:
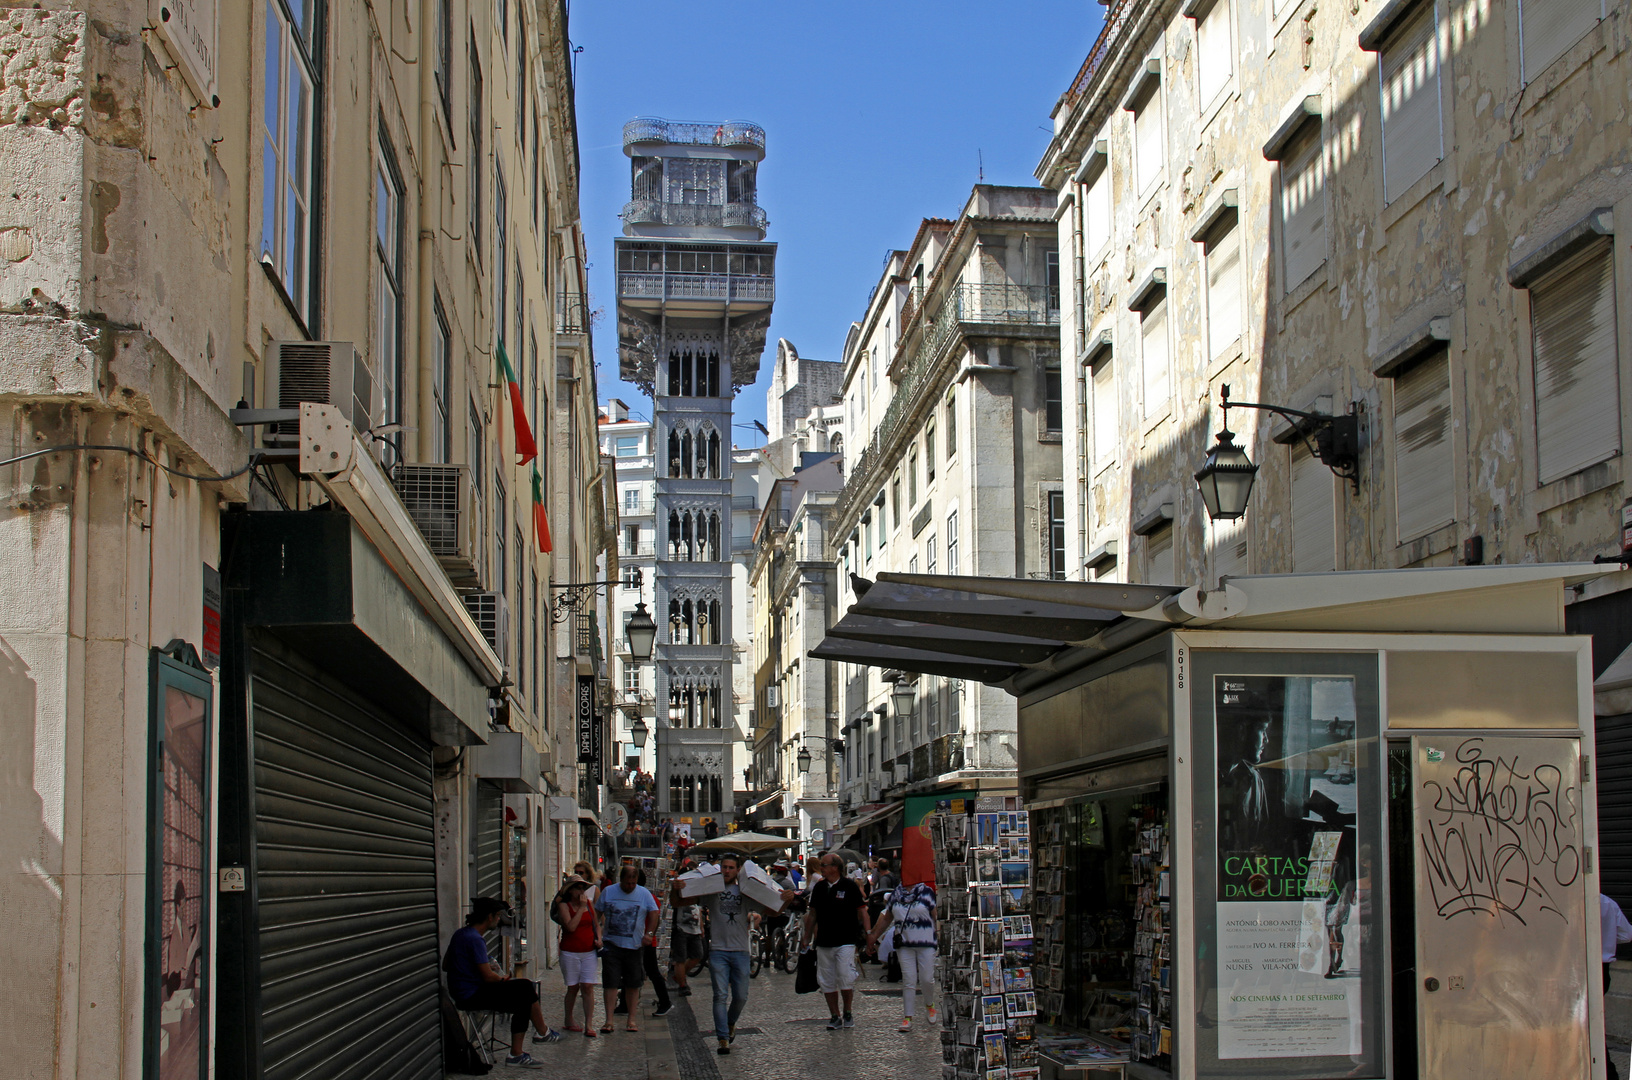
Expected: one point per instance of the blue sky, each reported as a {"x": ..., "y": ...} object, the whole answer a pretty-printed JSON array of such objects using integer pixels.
[{"x": 877, "y": 115}]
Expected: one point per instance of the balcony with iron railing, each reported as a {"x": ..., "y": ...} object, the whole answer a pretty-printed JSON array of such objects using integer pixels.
[
  {"x": 692, "y": 215},
  {"x": 571, "y": 314},
  {"x": 733, "y": 134},
  {"x": 662, "y": 285}
]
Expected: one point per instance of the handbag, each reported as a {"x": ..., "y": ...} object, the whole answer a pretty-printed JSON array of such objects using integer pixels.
[{"x": 804, "y": 979}]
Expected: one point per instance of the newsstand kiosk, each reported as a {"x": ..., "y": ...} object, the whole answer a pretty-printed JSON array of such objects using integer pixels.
[{"x": 1310, "y": 826}]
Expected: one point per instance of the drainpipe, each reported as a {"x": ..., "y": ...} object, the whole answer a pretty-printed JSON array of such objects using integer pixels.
[{"x": 427, "y": 278}]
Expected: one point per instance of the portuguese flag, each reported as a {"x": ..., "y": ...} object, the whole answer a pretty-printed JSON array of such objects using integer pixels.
[
  {"x": 541, "y": 520},
  {"x": 525, "y": 446}
]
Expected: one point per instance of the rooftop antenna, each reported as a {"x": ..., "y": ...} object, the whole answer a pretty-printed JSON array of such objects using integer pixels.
[{"x": 980, "y": 156}]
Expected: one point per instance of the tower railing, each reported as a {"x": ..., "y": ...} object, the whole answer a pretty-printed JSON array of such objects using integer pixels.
[
  {"x": 737, "y": 215},
  {"x": 733, "y": 133}
]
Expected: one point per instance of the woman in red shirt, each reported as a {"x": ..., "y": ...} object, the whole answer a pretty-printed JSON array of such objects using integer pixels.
[{"x": 580, "y": 940}]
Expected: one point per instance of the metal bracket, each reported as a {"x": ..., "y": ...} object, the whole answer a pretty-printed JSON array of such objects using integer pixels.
[
  {"x": 1334, "y": 440},
  {"x": 575, "y": 594}
]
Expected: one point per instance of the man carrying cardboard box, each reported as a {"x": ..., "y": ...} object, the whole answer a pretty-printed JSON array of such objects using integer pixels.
[{"x": 731, "y": 912}]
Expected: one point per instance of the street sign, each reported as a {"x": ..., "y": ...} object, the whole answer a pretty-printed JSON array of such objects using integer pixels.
[{"x": 614, "y": 819}]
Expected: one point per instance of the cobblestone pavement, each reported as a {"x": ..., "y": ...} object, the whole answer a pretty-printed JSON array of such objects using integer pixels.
[{"x": 784, "y": 1036}]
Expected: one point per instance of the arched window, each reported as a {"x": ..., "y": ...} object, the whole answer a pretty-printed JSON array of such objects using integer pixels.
[
  {"x": 714, "y": 455},
  {"x": 674, "y": 453},
  {"x": 674, "y": 372}
]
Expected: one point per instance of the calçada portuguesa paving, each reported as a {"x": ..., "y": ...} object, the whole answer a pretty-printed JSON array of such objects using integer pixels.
[{"x": 782, "y": 1036}]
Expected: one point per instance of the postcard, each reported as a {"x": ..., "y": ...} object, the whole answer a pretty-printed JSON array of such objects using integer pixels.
[{"x": 996, "y": 1056}]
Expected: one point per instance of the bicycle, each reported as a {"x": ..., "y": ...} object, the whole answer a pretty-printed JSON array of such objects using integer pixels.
[
  {"x": 789, "y": 944},
  {"x": 756, "y": 952}
]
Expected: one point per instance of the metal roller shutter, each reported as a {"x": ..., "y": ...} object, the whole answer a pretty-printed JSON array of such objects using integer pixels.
[
  {"x": 488, "y": 877},
  {"x": 346, "y": 878},
  {"x": 1613, "y": 773}
]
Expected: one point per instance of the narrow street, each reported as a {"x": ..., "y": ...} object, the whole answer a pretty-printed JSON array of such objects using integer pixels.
[{"x": 783, "y": 1036}]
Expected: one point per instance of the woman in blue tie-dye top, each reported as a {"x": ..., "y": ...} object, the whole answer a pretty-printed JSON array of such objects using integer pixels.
[{"x": 911, "y": 911}]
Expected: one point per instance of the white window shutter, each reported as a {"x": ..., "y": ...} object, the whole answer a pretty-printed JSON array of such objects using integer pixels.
[
  {"x": 1549, "y": 27},
  {"x": 1105, "y": 414},
  {"x": 1213, "y": 55},
  {"x": 1424, "y": 487},
  {"x": 1147, "y": 140},
  {"x": 1097, "y": 213},
  {"x": 1412, "y": 136},
  {"x": 1572, "y": 322},
  {"x": 1153, "y": 357},
  {"x": 1314, "y": 514},
  {"x": 1160, "y": 567},
  {"x": 1303, "y": 211},
  {"x": 1223, "y": 291},
  {"x": 1229, "y": 548}
]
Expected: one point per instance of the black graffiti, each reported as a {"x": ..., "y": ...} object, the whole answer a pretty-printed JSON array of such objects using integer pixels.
[{"x": 1498, "y": 840}]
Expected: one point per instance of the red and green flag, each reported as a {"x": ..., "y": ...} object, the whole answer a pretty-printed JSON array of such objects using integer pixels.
[
  {"x": 541, "y": 520},
  {"x": 525, "y": 446}
]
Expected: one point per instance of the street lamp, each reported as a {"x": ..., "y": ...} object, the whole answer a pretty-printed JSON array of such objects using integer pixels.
[
  {"x": 803, "y": 759},
  {"x": 1225, "y": 477},
  {"x": 638, "y": 732},
  {"x": 641, "y": 631},
  {"x": 903, "y": 696}
]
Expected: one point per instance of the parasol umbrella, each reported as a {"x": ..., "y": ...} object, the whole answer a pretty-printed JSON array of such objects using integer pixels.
[
  {"x": 748, "y": 843},
  {"x": 849, "y": 855}
]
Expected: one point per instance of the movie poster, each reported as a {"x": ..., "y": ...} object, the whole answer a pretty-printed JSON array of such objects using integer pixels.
[
  {"x": 183, "y": 901},
  {"x": 1294, "y": 870}
]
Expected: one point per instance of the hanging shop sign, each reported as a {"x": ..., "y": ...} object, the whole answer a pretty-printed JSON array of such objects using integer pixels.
[{"x": 586, "y": 718}]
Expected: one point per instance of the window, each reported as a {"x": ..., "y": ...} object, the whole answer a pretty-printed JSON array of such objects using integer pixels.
[
  {"x": 501, "y": 569},
  {"x": 929, "y": 452},
  {"x": 954, "y": 701},
  {"x": 1051, "y": 279},
  {"x": 1159, "y": 563},
  {"x": 1153, "y": 356},
  {"x": 444, "y": 58},
  {"x": 1423, "y": 487},
  {"x": 631, "y": 680},
  {"x": 867, "y": 532},
  {"x": 1314, "y": 513},
  {"x": 628, "y": 446},
  {"x": 502, "y": 17},
  {"x": 631, "y": 534},
  {"x": 1548, "y": 27},
  {"x": 952, "y": 542},
  {"x": 1053, "y": 400},
  {"x": 1303, "y": 209},
  {"x": 1572, "y": 326},
  {"x": 929, "y": 554},
  {"x": 1222, "y": 253},
  {"x": 441, "y": 385},
  {"x": 1215, "y": 57},
  {"x": 521, "y": 76},
  {"x": 1056, "y": 534},
  {"x": 535, "y": 188},
  {"x": 1412, "y": 137},
  {"x": 951, "y": 423},
  {"x": 532, "y": 611},
  {"x": 473, "y": 159},
  {"x": 1105, "y": 414},
  {"x": 474, "y": 438},
  {"x": 501, "y": 244},
  {"x": 288, "y": 220},
  {"x": 521, "y": 605},
  {"x": 895, "y": 502},
  {"x": 631, "y": 499},
  {"x": 1096, "y": 212},
  {"x": 912, "y": 477},
  {"x": 521, "y": 313},
  {"x": 1148, "y": 150},
  {"x": 388, "y": 283}
]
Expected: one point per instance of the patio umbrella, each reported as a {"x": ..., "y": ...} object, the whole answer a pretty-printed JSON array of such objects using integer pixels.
[{"x": 748, "y": 843}]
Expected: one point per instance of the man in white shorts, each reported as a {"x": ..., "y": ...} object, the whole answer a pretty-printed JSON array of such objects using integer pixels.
[{"x": 837, "y": 919}]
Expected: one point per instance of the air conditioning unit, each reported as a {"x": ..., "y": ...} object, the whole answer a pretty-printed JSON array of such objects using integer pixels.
[
  {"x": 320, "y": 373},
  {"x": 492, "y": 615},
  {"x": 438, "y": 498}
]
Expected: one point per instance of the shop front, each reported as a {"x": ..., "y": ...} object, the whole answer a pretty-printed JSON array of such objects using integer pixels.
[{"x": 1304, "y": 826}]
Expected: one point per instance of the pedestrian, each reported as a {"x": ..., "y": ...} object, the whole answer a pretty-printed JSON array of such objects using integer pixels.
[
  {"x": 911, "y": 911},
  {"x": 582, "y": 869},
  {"x": 685, "y": 942},
  {"x": 730, "y": 916},
  {"x": 1616, "y": 931},
  {"x": 580, "y": 944},
  {"x": 835, "y": 922},
  {"x": 648, "y": 961},
  {"x": 628, "y": 917},
  {"x": 475, "y": 983},
  {"x": 886, "y": 880}
]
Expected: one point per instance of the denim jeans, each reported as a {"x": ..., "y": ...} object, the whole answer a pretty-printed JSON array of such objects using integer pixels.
[{"x": 728, "y": 967}]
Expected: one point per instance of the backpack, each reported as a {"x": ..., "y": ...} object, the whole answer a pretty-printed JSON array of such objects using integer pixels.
[{"x": 555, "y": 912}]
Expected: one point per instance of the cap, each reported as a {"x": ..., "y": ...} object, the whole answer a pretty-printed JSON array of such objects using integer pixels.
[{"x": 483, "y": 906}]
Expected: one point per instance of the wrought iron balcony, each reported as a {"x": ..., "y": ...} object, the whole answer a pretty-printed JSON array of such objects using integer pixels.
[
  {"x": 692, "y": 215},
  {"x": 659, "y": 285},
  {"x": 1037, "y": 305},
  {"x": 737, "y": 134},
  {"x": 571, "y": 314}
]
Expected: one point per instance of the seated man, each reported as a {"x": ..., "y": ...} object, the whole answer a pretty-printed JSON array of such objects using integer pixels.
[{"x": 474, "y": 983}]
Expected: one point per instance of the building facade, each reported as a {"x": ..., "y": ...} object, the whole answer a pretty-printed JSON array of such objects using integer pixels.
[
  {"x": 696, "y": 282},
  {"x": 276, "y": 607},
  {"x": 952, "y": 406}
]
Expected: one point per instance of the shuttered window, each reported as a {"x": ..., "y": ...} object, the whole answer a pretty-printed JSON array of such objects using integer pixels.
[
  {"x": 1229, "y": 547},
  {"x": 1153, "y": 357},
  {"x": 1548, "y": 27},
  {"x": 1105, "y": 414},
  {"x": 1303, "y": 209},
  {"x": 1223, "y": 257},
  {"x": 1147, "y": 140},
  {"x": 1159, "y": 565},
  {"x": 1412, "y": 136},
  {"x": 1097, "y": 212},
  {"x": 1314, "y": 514},
  {"x": 1424, "y": 489},
  {"x": 1572, "y": 321},
  {"x": 1214, "y": 58}
]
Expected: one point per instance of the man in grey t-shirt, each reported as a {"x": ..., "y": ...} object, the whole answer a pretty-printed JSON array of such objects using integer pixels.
[{"x": 731, "y": 916}]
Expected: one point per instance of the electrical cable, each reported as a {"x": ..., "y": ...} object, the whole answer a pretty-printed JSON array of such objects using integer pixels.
[{"x": 250, "y": 464}]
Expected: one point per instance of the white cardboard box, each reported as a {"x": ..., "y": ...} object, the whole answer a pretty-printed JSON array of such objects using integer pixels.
[
  {"x": 757, "y": 885},
  {"x": 703, "y": 881}
]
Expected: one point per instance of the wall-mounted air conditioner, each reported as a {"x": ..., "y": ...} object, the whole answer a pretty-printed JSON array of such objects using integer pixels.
[
  {"x": 321, "y": 373},
  {"x": 438, "y": 498},
  {"x": 492, "y": 615}
]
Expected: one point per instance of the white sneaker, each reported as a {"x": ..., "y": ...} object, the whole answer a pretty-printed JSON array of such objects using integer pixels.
[
  {"x": 906, "y": 1024},
  {"x": 932, "y": 1014}
]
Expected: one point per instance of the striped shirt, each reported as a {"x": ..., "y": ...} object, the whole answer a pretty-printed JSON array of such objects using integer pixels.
[{"x": 912, "y": 911}]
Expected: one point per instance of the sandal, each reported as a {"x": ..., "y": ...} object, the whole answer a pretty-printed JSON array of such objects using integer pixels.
[
  {"x": 631, "y": 1027},
  {"x": 607, "y": 1030},
  {"x": 589, "y": 1033},
  {"x": 571, "y": 1027}
]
